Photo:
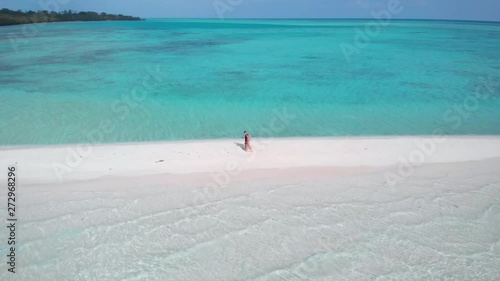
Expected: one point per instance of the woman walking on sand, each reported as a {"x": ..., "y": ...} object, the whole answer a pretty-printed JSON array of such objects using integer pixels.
[{"x": 248, "y": 138}]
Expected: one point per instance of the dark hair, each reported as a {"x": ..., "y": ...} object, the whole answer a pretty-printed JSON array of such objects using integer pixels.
[{"x": 244, "y": 132}]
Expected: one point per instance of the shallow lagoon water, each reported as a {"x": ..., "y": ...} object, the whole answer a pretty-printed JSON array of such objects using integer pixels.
[
  {"x": 202, "y": 79},
  {"x": 431, "y": 227}
]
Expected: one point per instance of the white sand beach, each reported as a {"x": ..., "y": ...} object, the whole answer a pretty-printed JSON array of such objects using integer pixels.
[{"x": 367, "y": 208}]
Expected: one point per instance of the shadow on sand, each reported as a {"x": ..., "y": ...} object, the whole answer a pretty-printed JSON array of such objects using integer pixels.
[{"x": 242, "y": 146}]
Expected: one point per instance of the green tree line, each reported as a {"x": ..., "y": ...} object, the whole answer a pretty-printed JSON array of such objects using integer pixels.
[{"x": 10, "y": 17}]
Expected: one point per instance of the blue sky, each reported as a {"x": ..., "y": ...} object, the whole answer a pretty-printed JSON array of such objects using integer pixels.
[{"x": 488, "y": 10}]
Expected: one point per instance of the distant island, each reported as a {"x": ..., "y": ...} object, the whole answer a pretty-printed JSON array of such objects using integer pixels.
[{"x": 10, "y": 17}]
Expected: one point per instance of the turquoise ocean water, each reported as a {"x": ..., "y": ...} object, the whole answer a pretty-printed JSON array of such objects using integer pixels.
[{"x": 202, "y": 79}]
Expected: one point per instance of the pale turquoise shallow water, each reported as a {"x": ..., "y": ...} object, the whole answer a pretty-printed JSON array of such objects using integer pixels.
[{"x": 218, "y": 78}]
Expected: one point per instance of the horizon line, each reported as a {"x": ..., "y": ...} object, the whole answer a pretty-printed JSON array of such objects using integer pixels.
[
  {"x": 337, "y": 18},
  {"x": 278, "y": 18}
]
